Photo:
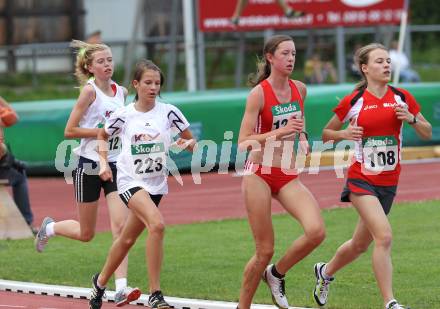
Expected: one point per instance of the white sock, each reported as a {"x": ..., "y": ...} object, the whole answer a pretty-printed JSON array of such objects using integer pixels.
[
  {"x": 120, "y": 283},
  {"x": 50, "y": 231}
]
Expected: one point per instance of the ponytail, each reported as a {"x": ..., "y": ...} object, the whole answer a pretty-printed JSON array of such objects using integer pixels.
[{"x": 263, "y": 72}]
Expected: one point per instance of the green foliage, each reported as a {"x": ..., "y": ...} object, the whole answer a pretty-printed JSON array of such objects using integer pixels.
[
  {"x": 206, "y": 260},
  {"x": 424, "y": 12},
  {"x": 25, "y": 86}
]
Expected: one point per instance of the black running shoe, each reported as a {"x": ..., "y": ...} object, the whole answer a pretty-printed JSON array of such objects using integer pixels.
[
  {"x": 97, "y": 294},
  {"x": 156, "y": 300}
]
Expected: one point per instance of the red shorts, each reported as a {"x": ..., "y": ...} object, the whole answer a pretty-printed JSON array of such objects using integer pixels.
[{"x": 275, "y": 177}]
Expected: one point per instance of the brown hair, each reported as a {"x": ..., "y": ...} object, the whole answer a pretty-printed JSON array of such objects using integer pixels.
[
  {"x": 84, "y": 58},
  {"x": 263, "y": 66},
  {"x": 362, "y": 56},
  {"x": 142, "y": 66}
]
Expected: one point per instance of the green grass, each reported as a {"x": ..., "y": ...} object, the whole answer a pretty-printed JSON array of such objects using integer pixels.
[{"x": 206, "y": 260}]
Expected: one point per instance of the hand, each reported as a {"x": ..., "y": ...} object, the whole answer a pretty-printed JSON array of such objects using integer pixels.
[
  {"x": 184, "y": 143},
  {"x": 304, "y": 147},
  {"x": 353, "y": 132},
  {"x": 8, "y": 116},
  {"x": 105, "y": 173},
  {"x": 293, "y": 125},
  {"x": 402, "y": 113}
]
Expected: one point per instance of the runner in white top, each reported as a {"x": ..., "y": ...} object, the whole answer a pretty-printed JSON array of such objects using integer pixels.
[
  {"x": 98, "y": 99},
  {"x": 146, "y": 128},
  {"x": 145, "y": 145},
  {"x": 96, "y": 115}
]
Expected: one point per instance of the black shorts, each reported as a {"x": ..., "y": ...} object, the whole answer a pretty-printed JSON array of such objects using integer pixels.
[
  {"x": 87, "y": 182},
  {"x": 126, "y": 196},
  {"x": 385, "y": 194}
]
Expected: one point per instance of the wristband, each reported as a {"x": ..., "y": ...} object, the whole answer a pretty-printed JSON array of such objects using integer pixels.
[{"x": 414, "y": 121}]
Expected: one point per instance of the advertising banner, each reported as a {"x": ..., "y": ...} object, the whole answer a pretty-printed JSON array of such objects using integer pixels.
[{"x": 220, "y": 16}]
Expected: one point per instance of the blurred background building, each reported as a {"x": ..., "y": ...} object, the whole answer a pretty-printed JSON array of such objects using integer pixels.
[{"x": 35, "y": 34}]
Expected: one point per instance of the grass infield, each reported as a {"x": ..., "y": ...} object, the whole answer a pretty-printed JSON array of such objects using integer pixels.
[{"x": 206, "y": 260}]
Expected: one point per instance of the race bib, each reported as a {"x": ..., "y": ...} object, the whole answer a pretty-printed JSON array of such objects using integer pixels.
[
  {"x": 281, "y": 113},
  {"x": 149, "y": 159},
  {"x": 114, "y": 143},
  {"x": 114, "y": 146},
  {"x": 380, "y": 153}
]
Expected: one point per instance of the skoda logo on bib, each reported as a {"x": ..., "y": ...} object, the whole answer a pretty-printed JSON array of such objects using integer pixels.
[
  {"x": 283, "y": 112},
  {"x": 149, "y": 159}
]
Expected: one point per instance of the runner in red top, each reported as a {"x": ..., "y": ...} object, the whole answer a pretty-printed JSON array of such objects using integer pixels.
[
  {"x": 273, "y": 119},
  {"x": 377, "y": 154},
  {"x": 376, "y": 113}
]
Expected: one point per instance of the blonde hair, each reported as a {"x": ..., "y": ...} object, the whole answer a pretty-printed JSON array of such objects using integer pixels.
[
  {"x": 84, "y": 58},
  {"x": 362, "y": 56},
  {"x": 263, "y": 66}
]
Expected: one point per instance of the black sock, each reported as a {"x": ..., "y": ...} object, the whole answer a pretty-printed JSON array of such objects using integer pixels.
[{"x": 276, "y": 273}]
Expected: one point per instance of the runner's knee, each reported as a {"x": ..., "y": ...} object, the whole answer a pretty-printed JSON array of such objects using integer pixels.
[
  {"x": 384, "y": 239},
  {"x": 264, "y": 254},
  {"x": 127, "y": 242},
  {"x": 315, "y": 234},
  {"x": 157, "y": 228},
  {"x": 117, "y": 229},
  {"x": 359, "y": 247},
  {"x": 87, "y": 236}
]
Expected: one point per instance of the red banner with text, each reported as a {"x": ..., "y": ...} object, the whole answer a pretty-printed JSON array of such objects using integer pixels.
[{"x": 225, "y": 15}]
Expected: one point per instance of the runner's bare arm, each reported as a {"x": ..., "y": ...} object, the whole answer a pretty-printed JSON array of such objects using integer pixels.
[{"x": 72, "y": 130}]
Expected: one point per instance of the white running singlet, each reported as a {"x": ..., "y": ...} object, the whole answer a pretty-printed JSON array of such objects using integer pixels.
[
  {"x": 146, "y": 137},
  {"x": 95, "y": 117}
]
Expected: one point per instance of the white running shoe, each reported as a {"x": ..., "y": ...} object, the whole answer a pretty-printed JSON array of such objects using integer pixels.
[
  {"x": 41, "y": 239},
  {"x": 393, "y": 304},
  {"x": 126, "y": 295},
  {"x": 277, "y": 288},
  {"x": 322, "y": 286}
]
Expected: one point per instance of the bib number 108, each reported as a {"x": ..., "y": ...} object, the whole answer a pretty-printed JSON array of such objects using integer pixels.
[{"x": 382, "y": 158}]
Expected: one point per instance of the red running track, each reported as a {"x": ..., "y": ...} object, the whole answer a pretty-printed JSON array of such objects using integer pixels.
[
  {"x": 217, "y": 197},
  {"x": 11, "y": 300}
]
